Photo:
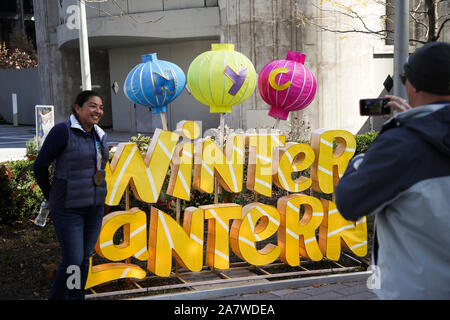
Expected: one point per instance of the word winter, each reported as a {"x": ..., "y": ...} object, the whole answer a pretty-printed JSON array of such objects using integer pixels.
[{"x": 199, "y": 162}]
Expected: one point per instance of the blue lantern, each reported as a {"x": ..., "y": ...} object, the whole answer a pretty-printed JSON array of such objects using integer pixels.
[{"x": 154, "y": 83}]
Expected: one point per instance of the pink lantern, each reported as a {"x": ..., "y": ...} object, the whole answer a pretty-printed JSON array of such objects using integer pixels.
[{"x": 287, "y": 85}]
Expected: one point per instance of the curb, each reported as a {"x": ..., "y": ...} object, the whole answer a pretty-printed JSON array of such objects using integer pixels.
[{"x": 273, "y": 285}]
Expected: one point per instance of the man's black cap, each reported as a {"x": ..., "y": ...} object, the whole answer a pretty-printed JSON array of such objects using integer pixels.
[{"x": 428, "y": 68}]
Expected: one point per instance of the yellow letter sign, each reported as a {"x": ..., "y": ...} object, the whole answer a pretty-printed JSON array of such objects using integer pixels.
[
  {"x": 112, "y": 271},
  {"x": 146, "y": 177},
  {"x": 262, "y": 149},
  {"x": 246, "y": 232},
  {"x": 330, "y": 165},
  {"x": 296, "y": 219},
  {"x": 211, "y": 161},
  {"x": 295, "y": 157},
  {"x": 219, "y": 216},
  {"x": 297, "y": 237},
  {"x": 134, "y": 222},
  {"x": 167, "y": 237},
  {"x": 335, "y": 230},
  {"x": 183, "y": 160}
]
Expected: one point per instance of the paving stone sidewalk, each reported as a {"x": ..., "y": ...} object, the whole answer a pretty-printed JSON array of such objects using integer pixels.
[
  {"x": 348, "y": 290},
  {"x": 351, "y": 286},
  {"x": 13, "y": 140}
]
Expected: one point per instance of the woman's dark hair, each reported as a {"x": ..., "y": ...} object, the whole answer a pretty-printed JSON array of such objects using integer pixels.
[{"x": 84, "y": 96}]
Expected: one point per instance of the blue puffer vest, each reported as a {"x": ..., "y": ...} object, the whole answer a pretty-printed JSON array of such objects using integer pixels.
[{"x": 75, "y": 167}]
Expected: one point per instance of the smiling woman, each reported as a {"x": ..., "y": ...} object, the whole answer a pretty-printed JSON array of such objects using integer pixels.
[
  {"x": 88, "y": 109},
  {"x": 78, "y": 190}
]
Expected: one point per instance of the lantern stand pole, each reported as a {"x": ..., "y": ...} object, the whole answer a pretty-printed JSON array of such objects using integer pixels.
[
  {"x": 216, "y": 182},
  {"x": 178, "y": 210},
  {"x": 163, "y": 120},
  {"x": 220, "y": 142},
  {"x": 277, "y": 123},
  {"x": 178, "y": 201},
  {"x": 178, "y": 221},
  {"x": 127, "y": 207},
  {"x": 127, "y": 230}
]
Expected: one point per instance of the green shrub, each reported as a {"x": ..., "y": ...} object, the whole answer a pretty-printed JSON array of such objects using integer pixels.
[
  {"x": 31, "y": 147},
  {"x": 142, "y": 141},
  {"x": 21, "y": 197},
  {"x": 363, "y": 141},
  {"x": 5, "y": 190}
]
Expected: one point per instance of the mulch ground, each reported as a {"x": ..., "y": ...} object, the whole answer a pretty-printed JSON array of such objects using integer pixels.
[{"x": 28, "y": 257}]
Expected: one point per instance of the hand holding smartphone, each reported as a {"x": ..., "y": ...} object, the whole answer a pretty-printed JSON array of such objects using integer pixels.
[{"x": 374, "y": 107}]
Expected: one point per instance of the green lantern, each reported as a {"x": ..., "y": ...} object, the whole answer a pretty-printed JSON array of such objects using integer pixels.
[{"x": 221, "y": 78}]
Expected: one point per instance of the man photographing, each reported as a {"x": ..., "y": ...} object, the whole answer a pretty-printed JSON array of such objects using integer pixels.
[{"x": 404, "y": 179}]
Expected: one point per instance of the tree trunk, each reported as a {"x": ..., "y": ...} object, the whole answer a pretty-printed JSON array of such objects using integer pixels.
[{"x": 432, "y": 19}]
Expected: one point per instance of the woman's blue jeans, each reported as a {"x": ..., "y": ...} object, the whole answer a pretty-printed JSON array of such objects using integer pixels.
[{"x": 77, "y": 230}]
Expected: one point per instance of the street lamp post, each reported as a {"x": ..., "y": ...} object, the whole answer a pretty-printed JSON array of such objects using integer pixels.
[
  {"x": 84, "y": 49},
  {"x": 401, "y": 44}
]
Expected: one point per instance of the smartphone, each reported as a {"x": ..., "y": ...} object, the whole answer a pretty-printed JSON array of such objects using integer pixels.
[{"x": 373, "y": 107}]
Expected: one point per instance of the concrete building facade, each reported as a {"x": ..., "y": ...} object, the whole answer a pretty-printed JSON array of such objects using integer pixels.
[{"x": 348, "y": 66}]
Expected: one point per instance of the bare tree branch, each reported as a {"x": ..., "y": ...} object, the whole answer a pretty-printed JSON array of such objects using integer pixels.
[
  {"x": 417, "y": 40},
  {"x": 348, "y": 12},
  {"x": 424, "y": 15},
  {"x": 438, "y": 34},
  {"x": 122, "y": 12}
]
